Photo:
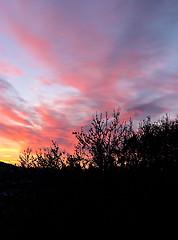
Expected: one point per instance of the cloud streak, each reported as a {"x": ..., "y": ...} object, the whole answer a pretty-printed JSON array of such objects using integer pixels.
[{"x": 103, "y": 53}]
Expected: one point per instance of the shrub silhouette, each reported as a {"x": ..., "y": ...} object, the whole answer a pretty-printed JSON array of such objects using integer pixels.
[
  {"x": 50, "y": 158},
  {"x": 158, "y": 142},
  {"x": 27, "y": 160},
  {"x": 110, "y": 142}
]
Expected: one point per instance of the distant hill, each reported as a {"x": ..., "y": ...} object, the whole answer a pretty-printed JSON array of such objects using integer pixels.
[{"x": 4, "y": 166}]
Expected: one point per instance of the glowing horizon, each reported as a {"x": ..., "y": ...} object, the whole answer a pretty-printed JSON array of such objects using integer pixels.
[{"x": 61, "y": 61}]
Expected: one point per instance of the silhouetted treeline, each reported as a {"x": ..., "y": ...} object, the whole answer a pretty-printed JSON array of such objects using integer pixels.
[{"x": 112, "y": 143}]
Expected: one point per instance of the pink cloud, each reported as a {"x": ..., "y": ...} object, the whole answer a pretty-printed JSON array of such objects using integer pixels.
[
  {"x": 38, "y": 46},
  {"x": 13, "y": 116},
  {"x": 9, "y": 69},
  {"x": 57, "y": 44},
  {"x": 79, "y": 57},
  {"x": 111, "y": 52}
]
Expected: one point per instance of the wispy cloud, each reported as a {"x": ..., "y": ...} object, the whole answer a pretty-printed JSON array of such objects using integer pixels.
[{"x": 97, "y": 54}]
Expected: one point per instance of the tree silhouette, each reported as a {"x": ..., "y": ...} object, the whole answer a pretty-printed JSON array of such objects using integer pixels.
[{"x": 103, "y": 143}]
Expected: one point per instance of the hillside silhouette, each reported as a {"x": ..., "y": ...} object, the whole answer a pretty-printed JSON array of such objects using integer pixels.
[{"x": 118, "y": 180}]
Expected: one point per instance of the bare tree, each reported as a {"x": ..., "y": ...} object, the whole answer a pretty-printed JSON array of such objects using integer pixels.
[{"x": 104, "y": 141}]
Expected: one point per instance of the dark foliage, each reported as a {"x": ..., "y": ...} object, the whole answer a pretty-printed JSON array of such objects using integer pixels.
[
  {"x": 158, "y": 143},
  {"x": 111, "y": 143}
]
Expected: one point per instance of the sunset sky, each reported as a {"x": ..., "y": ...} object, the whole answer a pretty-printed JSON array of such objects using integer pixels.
[{"x": 63, "y": 60}]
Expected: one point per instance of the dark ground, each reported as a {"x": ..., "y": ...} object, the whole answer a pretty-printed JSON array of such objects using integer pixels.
[{"x": 83, "y": 203}]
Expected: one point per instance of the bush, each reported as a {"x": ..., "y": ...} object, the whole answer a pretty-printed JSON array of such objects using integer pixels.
[
  {"x": 51, "y": 158},
  {"x": 111, "y": 143}
]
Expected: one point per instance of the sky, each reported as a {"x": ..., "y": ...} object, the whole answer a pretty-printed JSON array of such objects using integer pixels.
[{"x": 63, "y": 60}]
